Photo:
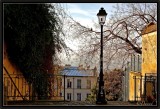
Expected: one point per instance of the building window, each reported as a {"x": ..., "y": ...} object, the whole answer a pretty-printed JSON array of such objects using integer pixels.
[
  {"x": 88, "y": 84},
  {"x": 60, "y": 94},
  {"x": 78, "y": 96},
  {"x": 88, "y": 94},
  {"x": 69, "y": 83},
  {"x": 69, "y": 96},
  {"x": 79, "y": 83}
]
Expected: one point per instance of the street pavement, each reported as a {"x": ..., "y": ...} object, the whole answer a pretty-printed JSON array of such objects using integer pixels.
[{"x": 72, "y": 103}]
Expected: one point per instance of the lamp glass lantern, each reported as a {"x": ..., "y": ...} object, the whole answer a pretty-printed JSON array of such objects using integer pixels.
[{"x": 102, "y": 16}]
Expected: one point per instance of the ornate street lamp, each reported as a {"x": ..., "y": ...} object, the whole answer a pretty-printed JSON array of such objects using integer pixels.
[{"x": 101, "y": 94}]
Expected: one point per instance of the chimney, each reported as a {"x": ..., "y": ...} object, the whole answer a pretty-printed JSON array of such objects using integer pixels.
[
  {"x": 67, "y": 65},
  {"x": 80, "y": 67},
  {"x": 95, "y": 71},
  {"x": 88, "y": 67}
]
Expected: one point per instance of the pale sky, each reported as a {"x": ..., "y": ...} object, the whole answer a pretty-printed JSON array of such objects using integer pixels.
[{"x": 86, "y": 15}]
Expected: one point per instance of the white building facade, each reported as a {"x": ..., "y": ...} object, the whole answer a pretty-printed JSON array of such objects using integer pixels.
[{"x": 78, "y": 83}]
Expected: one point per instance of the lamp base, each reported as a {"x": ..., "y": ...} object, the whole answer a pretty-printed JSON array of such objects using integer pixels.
[
  {"x": 101, "y": 101},
  {"x": 101, "y": 95}
]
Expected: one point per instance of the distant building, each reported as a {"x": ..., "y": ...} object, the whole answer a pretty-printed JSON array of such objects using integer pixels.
[{"x": 78, "y": 82}]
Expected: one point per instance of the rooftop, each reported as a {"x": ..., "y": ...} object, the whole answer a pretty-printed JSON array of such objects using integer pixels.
[
  {"x": 151, "y": 27},
  {"x": 74, "y": 71}
]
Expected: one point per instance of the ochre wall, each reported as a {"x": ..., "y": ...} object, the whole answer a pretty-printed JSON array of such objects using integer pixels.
[
  {"x": 149, "y": 53},
  {"x": 132, "y": 85},
  {"x": 17, "y": 77},
  {"x": 149, "y": 57}
]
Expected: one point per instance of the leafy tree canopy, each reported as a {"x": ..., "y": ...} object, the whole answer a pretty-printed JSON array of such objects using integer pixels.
[
  {"x": 113, "y": 84},
  {"x": 32, "y": 35}
]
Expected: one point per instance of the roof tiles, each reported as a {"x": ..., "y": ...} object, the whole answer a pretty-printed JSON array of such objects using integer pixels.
[{"x": 74, "y": 71}]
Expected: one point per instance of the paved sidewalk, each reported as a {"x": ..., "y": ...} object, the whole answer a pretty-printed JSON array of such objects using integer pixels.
[{"x": 71, "y": 103}]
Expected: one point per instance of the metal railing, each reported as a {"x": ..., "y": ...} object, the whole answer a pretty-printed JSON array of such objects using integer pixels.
[
  {"x": 17, "y": 88},
  {"x": 148, "y": 88}
]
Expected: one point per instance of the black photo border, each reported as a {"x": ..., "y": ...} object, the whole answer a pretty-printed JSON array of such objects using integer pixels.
[{"x": 75, "y": 1}]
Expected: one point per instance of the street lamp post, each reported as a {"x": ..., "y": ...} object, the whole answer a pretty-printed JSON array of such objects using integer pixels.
[{"x": 101, "y": 94}]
